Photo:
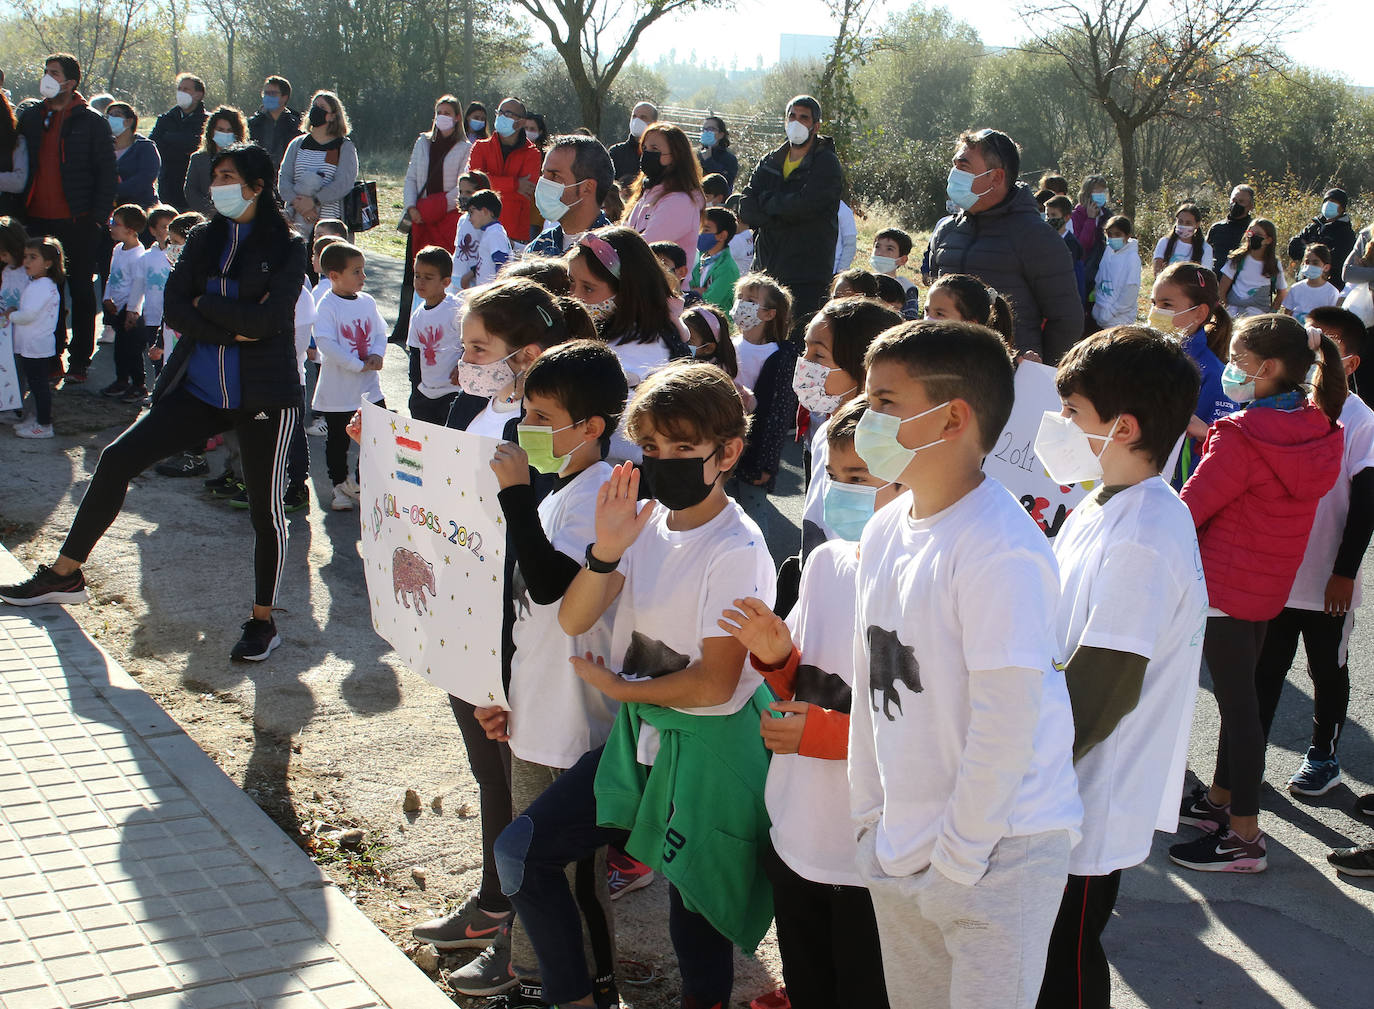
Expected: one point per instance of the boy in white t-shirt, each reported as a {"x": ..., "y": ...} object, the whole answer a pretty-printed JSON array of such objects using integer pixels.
[
  {"x": 574, "y": 395},
  {"x": 1313, "y": 289},
  {"x": 1132, "y": 611},
  {"x": 126, "y": 223},
  {"x": 154, "y": 269},
  {"x": 683, "y": 768},
  {"x": 960, "y": 763},
  {"x": 827, "y": 934},
  {"x": 1326, "y": 592},
  {"x": 891, "y": 251},
  {"x": 493, "y": 244},
  {"x": 435, "y": 338},
  {"x": 468, "y": 238},
  {"x": 351, "y": 338}
]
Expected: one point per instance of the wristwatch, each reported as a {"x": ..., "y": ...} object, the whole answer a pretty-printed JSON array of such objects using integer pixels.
[{"x": 597, "y": 566}]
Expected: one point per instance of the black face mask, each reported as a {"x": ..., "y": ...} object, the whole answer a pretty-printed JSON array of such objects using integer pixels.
[
  {"x": 1237, "y": 212},
  {"x": 317, "y": 115},
  {"x": 677, "y": 483},
  {"x": 1256, "y": 242},
  {"x": 651, "y": 164}
]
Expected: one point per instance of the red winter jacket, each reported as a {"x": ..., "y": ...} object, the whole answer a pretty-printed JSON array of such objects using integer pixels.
[
  {"x": 1253, "y": 499},
  {"x": 506, "y": 171}
]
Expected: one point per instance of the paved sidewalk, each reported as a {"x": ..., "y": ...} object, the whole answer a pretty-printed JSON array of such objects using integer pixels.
[{"x": 134, "y": 872}]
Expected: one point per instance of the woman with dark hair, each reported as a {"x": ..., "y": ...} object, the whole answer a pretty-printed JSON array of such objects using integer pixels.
[
  {"x": 137, "y": 161},
  {"x": 667, "y": 201},
  {"x": 715, "y": 154},
  {"x": 536, "y": 131},
  {"x": 224, "y": 128},
  {"x": 232, "y": 297},
  {"x": 475, "y": 122},
  {"x": 14, "y": 160}
]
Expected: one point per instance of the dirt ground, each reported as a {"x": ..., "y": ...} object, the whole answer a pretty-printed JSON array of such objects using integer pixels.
[{"x": 329, "y": 732}]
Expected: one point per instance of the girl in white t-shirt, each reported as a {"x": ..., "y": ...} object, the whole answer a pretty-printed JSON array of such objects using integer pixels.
[
  {"x": 632, "y": 300},
  {"x": 690, "y": 709},
  {"x": 1315, "y": 290},
  {"x": 34, "y": 326},
  {"x": 809, "y": 663},
  {"x": 1252, "y": 281},
  {"x": 1185, "y": 243}
]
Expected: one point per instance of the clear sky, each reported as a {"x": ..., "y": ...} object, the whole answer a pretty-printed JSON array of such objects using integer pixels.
[{"x": 1337, "y": 36}]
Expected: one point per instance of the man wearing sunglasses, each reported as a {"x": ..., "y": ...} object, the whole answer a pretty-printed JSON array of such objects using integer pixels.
[{"x": 999, "y": 237}]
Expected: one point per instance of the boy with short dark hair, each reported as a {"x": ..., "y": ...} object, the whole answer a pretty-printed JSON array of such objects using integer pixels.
[
  {"x": 121, "y": 315},
  {"x": 960, "y": 763},
  {"x": 714, "y": 274},
  {"x": 468, "y": 239},
  {"x": 493, "y": 244},
  {"x": 1326, "y": 592},
  {"x": 1058, "y": 209},
  {"x": 574, "y": 395},
  {"x": 435, "y": 339},
  {"x": 891, "y": 250},
  {"x": 351, "y": 338},
  {"x": 1130, "y": 622}
]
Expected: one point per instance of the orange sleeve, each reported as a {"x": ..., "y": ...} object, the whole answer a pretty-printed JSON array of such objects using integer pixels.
[
  {"x": 826, "y": 734},
  {"x": 782, "y": 679}
]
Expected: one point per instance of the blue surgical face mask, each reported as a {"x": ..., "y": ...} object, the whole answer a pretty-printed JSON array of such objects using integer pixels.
[
  {"x": 708, "y": 138},
  {"x": 477, "y": 125},
  {"x": 1117, "y": 244},
  {"x": 229, "y": 200},
  {"x": 1331, "y": 210},
  {"x": 847, "y": 507},
  {"x": 118, "y": 124},
  {"x": 505, "y": 125},
  {"x": 1311, "y": 271},
  {"x": 223, "y": 139},
  {"x": 706, "y": 242},
  {"x": 1100, "y": 199},
  {"x": 1238, "y": 385},
  {"x": 271, "y": 102},
  {"x": 959, "y": 187}
]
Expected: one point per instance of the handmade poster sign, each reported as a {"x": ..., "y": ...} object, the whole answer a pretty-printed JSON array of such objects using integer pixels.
[
  {"x": 433, "y": 546},
  {"x": 10, "y": 398},
  {"x": 1012, "y": 460}
]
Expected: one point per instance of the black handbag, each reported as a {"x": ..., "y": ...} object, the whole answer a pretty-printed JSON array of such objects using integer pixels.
[{"x": 360, "y": 207}]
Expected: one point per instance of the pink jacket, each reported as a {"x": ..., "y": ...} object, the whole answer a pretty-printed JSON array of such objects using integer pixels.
[
  {"x": 1253, "y": 498},
  {"x": 671, "y": 217}
]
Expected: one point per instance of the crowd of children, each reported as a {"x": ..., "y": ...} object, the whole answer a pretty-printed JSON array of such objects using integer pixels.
[{"x": 975, "y": 696}]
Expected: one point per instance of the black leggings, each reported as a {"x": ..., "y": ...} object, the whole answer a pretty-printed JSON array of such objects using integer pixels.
[
  {"x": 178, "y": 422},
  {"x": 1232, "y": 650},
  {"x": 490, "y": 763},
  {"x": 1325, "y": 639},
  {"x": 1076, "y": 971},
  {"x": 336, "y": 443},
  {"x": 36, "y": 375}
]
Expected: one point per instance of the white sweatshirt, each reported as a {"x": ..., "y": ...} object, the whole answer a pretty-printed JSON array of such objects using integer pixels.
[
  {"x": 1118, "y": 286},
  {"x": 35, "y": 320}
]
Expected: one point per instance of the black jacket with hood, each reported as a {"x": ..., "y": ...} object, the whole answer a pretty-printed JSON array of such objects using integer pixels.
[{"x": 795, "y": 219}]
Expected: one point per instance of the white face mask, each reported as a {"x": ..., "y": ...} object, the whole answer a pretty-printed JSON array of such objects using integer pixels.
[
  {"x": 808, "y": 382},
  {"x": 443, "y": 123},
  {"x": 875, "y": 439},
  {"x": 745, "y": 314},
  {"x": 637, "y": 127},
  {"x": 185, "y": 99},
  {"x": 548, "y": 200},
  {"x": 797, "y": 134},
  {"x": 48, "y": 86},
  {"x": 883, "y": 264},
  {"x": 1066, "y": 452}
]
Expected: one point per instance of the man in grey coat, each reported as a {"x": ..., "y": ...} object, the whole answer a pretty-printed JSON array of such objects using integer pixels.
[{"x": 999, "y": 237}]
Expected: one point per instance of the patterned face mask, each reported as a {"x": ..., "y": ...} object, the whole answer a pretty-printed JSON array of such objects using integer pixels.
[
  {"x": 601, "y": 311},
  {"x": 486, "y": 380},
  {"x": 808, "y": 382}
]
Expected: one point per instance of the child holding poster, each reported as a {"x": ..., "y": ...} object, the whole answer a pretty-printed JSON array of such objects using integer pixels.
[{"x": 574, "y": 396}]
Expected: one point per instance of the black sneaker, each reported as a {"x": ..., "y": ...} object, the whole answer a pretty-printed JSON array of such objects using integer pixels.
[
  {"x": 116, "y": 388},
  {"x": 75, "y": 378},
  {"x": 186, "y": 464},
  {"x": 1199, "y": 811},
  {"x": 526, "y": 996},
  {"x": 296, "y": 498},
  {"x": 224, "y": 485},
  {"x": 1364, "y": 805},
  {"x": 134, "y": 394},
  {"x": 240, "y": 500},
  {"x": 46, "y": 586},
  {"x": 1223, "y": 850},
  {"x": 1353, "y": 861},
  {"x": 259, "y": 638}
]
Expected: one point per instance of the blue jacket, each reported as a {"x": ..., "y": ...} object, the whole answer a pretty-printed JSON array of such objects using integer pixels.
[{"x": 137, "y": 171}]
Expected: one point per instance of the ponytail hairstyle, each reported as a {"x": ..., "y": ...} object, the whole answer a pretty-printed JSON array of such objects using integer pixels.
[
  {"x": 768, "y": 293},
  {"x": 1187, "y": 207},
  {"x": 520, "y": 313},
  {"x": 1199, "y": 286},
  {"x": 710, "y": 325},
  {"x": 1271, "y": 257},
  {"x": 978, "y": 303},
  {"x": 1299, "y": 349},
  {"x": 51, "y": 251}
]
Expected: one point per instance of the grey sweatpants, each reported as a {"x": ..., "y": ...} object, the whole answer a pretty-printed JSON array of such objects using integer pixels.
[
  {"x": 950, "y": 946},
  {"x": 587, "y": 879}
]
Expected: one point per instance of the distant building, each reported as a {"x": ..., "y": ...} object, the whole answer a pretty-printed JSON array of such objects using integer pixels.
[{"x": 804, "y": 48}]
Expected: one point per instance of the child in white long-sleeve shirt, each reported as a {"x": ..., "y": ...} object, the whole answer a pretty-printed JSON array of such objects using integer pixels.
[
  {"x": 435, "y": 339},
  {"x": 960, "y": 765},
  {"x": 468, "y": 239},
  {"x": 126, "y": 223},
  {"x": 1117, "y": 294},
  {"x": 34, "y": 325},
  {"x": 149, "y": 287},
  {"x": 351, "y": 338},
  {"x": 493, "y": 246}
]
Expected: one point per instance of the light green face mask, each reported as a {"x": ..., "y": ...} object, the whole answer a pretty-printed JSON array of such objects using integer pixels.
[{"x": 537, "y": 442}]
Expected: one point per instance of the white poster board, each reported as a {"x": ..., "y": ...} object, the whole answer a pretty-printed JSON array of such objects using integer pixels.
[
  {"x": 433, "y": 546},
  {"x": 1012, "y": 460},
  {"x": 9, "y": 366}
]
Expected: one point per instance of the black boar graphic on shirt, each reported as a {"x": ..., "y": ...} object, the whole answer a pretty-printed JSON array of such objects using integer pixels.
[
  {"x": 815, "y": 686},
  {"x": 647, "y": 657},
  {"x": 890, "y": 662}
]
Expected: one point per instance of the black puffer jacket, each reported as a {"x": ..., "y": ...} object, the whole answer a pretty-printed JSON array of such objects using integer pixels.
[
  {"x": 86, "y": 157},
  {"x": 273, "y": 136},
  {"x": 1010, "y": 248},
  {"x": 796, "y": 220},
  {"x": 1338, "y": 235},
  {"x": 270, "y": 270},
  {"x": 177, "y": 135}
]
